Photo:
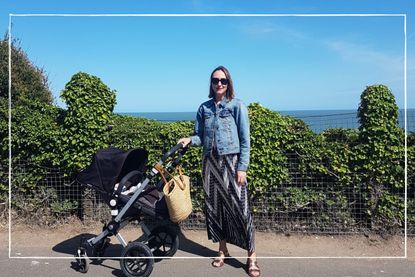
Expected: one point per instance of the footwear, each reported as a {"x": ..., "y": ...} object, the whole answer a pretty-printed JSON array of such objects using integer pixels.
[
  {"x": 252, "y": 268},
  {"x": 220, "y": 260}
]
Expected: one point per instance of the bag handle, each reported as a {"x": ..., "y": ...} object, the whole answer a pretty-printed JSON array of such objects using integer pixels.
[
  {"x": 181, "y": 184},
  {"x": 162, "y": 171}
]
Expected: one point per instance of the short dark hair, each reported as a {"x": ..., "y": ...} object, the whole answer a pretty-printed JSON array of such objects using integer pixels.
[{"x": 230, "y": 93}]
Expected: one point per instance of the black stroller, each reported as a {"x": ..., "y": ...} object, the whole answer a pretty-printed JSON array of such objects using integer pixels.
[{"x": 121, "y": 178}]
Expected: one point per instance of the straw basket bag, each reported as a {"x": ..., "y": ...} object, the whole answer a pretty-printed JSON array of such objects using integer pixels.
[{"x": 177, "y": 196}]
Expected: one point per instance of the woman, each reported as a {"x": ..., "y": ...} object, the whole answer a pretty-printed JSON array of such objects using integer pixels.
[{"x": 222, "y": 128}]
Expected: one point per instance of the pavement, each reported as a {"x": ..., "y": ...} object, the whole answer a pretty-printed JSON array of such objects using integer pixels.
[{"x": 49, "y": 252}]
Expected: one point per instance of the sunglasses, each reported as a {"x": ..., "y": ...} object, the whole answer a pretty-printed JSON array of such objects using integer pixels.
[{"x": 216, "y": 81}]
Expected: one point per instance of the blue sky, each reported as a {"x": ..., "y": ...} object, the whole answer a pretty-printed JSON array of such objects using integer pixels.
[{"x": 162, "y": 64}]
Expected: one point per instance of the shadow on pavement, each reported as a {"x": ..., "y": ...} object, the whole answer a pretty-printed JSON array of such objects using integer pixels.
[
  {"x": 195, "y": 248},
  {"x": 186, "y": 245},
  {"x": 71, "y": 245}
]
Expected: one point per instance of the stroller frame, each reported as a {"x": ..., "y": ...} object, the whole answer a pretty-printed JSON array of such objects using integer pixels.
[{"x": 131, "y": 250}]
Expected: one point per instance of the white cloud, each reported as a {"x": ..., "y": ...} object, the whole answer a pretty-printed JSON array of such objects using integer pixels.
[{"x": 361, "y": 53}]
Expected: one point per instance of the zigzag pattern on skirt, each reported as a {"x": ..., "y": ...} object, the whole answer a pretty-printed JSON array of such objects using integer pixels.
[{"x": 226, "y": 203}]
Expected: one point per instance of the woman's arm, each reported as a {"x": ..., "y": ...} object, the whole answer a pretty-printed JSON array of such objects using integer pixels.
[
  {"x": 197, "y": 138},
  {"x": 242, "y": 123}
]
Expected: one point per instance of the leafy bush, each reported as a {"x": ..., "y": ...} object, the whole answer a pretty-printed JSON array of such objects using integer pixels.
[
  {"x": 30, "y": 96},
  {"x": 36, "y": 133},
  {"x": 46, "y": 136},
  {"x": 379, "y": 158},
  {"x": 136, "y": 132},
  {"x": 411, "y": 181},
  {"x": 269, "y": 137},
  {"x": 90, "y": 104},
  {"x": 29, "y": 82}
]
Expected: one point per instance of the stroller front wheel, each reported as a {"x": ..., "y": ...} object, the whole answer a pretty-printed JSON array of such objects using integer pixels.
[
  {"x": 137, "y": 260},
  {"x": 82, "y": 260}
]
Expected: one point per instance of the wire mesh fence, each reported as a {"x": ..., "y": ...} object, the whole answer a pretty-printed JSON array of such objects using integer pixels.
[{"x": 334, "y": 208}]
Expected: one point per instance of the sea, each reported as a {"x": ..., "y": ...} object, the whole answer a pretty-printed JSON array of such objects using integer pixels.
[{"x": 317, "y": 120}]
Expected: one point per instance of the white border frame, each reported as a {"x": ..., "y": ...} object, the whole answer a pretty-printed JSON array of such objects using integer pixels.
[{"x": 219, "y": 15}]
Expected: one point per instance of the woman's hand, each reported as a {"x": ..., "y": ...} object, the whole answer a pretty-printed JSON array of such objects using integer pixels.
[
  {"x": 185, "y": 141},
  {"x": 241, "y": 177}
]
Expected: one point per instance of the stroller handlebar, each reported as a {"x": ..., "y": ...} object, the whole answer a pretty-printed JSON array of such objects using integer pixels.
[{"x": 172, "y": 151}]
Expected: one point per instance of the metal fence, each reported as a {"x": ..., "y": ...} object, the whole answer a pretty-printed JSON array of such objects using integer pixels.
[{"x": 57, "y": 197}]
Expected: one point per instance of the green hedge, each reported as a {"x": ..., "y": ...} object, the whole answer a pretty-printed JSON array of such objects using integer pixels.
[{"x": 325, "y": 178}]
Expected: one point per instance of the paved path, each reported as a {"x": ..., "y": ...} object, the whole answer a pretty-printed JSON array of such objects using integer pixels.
[
  {"x": 201, "y": 267},
  {"x": 191, "y": 258}
]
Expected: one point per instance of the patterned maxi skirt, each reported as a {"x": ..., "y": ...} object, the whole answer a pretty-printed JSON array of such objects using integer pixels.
[{"x": 226, "y": 203}]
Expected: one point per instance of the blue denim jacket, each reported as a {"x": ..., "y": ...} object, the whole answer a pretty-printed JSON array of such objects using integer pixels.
[{"x": 226, "y": 126}]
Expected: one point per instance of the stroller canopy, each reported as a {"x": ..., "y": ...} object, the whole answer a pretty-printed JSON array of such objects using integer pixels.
[{"x": 109, "y": 165}]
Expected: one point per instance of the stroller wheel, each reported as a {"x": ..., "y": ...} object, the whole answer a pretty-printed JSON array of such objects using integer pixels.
[
  {"x": 137, "y": 260},
  {"x": 163, "y": 241},
  {"x": 81, "y": 260}
]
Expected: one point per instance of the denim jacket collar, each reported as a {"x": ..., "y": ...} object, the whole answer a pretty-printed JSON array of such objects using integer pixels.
[{"x": 222, "y": 103}]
